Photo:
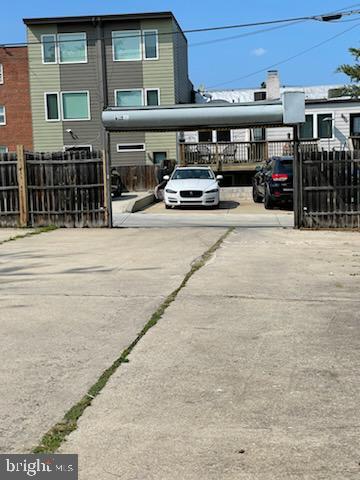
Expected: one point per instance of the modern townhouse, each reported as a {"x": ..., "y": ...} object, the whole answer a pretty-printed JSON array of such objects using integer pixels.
[
  {"x": 15, "y": 110},
  {"x": 80, "y": 65}
]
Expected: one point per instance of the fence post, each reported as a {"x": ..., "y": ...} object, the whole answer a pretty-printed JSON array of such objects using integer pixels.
[
  {"x": 22, "y": 182},
  {"x": 107, "y": 189},
  {"x": 297, "y": 181}
]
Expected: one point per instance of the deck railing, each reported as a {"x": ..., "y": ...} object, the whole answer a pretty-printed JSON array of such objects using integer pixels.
[{"x": 237, "y": 153}]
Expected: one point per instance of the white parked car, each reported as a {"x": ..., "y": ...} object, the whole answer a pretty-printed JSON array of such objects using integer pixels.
[{"x": 192, "y": 186}]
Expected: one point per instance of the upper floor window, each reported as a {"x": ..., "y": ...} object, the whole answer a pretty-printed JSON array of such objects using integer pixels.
[
  {"x": 150, "y": 44},
  {"x": 223, "y": 135},
  {"x": 205, "y": 136},
  {"x": 129, "y": 98},
  {"x": 3, "y": 149},
  {"x": 258, "y": 96},
  {"x": 1, "y": 73},
  {"x": 137, "y": 97},
  {"x": 73, "y": 106},
  {"x": 127, "y": 45},
  {"x": 64, "y": 48},
  {"x": 152, "y": 96},
  {"x": 133, "y": 45},
  {"x": 2, "y": 115}
]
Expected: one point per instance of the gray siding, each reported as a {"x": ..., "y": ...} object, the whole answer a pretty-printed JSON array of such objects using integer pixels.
[
  {"x": 183, "y": 86},
  {"x": 83, "y": 76}
]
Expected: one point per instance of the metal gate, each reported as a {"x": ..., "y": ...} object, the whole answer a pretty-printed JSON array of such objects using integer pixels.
[{"x": 327, "y": 189}]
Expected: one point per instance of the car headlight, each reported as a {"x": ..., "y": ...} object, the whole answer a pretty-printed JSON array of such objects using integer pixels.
[
  {"x": 214, "y": 190},
  {"x": 168, "y": 190}
]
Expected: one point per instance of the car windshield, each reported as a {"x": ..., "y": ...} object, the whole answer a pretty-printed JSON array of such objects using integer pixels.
[{"x": 192, "y": 173}]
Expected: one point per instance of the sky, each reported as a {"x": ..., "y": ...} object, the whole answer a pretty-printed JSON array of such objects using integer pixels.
[{"x": 216, "y": 59}]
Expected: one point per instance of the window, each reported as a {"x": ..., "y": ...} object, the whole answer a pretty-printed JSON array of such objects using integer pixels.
[
  {"x": 258, "y": 96},
  {"x": 75, "y": 105},
  {"x": 223, "y": 135},
  {"x": 52, "y": 110},
  {"x": 159, "y": 157},
  {"x": 77, "y": 148},
  {"x": 152, "y": 96},
  {"x": 129, "y": 98},
  {"x": 130, "y": 147},
  {"x": 3, "y": 149},
  {"x": 205, "y": 136},
  {"x": 64, "y": 48},
  {"x": 2, "y": 115},
  {"x": 1, "y": 73},
  {"x": 150, "y": 44},
  {"x": 49, "y": 54},
  {"x": 126, "y": 45},
  {"x": 324, "y": 125},
  {"x": 258, "y": 134},
  {"x": 354, "y": 124},
  {"x": 307, "y": 128},
  {"x": 72, "y": 48}
]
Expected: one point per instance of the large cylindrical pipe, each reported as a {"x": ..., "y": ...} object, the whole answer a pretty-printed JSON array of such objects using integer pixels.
[{"x": 192, "y": 117}]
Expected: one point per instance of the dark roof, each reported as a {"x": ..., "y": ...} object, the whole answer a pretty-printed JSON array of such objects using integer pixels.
[{"x": 103, "y": 18}]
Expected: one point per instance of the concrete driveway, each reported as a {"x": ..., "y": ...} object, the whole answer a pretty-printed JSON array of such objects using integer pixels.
[
  {"x": 252, "y": 373},
  {"x": 70, "y": 302}
]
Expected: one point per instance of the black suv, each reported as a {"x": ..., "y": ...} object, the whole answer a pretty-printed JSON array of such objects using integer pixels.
[{"x": 273, "y": 183}]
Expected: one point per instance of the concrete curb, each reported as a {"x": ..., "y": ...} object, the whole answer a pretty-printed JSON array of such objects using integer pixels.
[{"x": 140, "y": 203}]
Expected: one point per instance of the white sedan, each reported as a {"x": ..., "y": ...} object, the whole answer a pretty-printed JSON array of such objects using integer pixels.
[{"x": 192, "y": 186}]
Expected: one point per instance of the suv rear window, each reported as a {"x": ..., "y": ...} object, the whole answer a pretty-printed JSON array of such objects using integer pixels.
[{"x": 283, "y": 166}]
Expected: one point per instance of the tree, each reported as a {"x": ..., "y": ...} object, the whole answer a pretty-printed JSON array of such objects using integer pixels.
[{"x": 353, "y": 72}]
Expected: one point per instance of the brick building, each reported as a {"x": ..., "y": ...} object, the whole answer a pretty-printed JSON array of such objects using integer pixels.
[{"x": 15, "y": 108}]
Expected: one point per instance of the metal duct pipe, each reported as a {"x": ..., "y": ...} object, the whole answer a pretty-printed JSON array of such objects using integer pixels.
[{"x": 204, "y": 116}]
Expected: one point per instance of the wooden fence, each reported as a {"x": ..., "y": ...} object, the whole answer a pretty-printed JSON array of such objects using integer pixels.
[
  {"x": 66, "y": 189},
  {"x": 329, "y": 194}
]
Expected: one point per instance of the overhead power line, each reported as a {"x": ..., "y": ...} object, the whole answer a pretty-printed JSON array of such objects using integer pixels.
[
  {"x": 324, "y": 17},
  {"x": 281, "y": 62}
]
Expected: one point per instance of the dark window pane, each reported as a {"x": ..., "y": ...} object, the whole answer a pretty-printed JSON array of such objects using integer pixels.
[
  {"x": 355, "y": 124},
  {"x": 150, "y": 41},
  {"x": 152, "y": 97},
  {"x": 49, "y": 50},
  {"x": 159, "y": 157},
  {"x": 259, "y": 96},
  {"x": 258, "y": 134},
  {"x": 131, "y": 147},
  {"x": 205, "y": 136},
  {"x": 223, "y": 135},
  {"x": 307, "y": 128},
  {"x": 52, "y": 106},
  {"x": 324, "y": 122}
]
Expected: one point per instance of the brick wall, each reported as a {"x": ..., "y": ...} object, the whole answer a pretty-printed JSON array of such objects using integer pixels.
[{"x": 15, "y": 96}]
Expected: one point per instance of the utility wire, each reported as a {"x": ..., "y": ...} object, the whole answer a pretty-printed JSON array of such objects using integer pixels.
[
  {"x": 269, "y": 67},
  {"x": 320, "y": 17},
  {"x": 256, "y": 32}
]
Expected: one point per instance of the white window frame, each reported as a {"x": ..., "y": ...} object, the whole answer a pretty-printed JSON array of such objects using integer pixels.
[
  {"x": 62, "y": 106},
  {"x": 1, "y": 74},
  {"x": 4, "y": 122},
  {"x": 58, "y": 47},
  {"x": 77, "y": 146},
  {"x": 151, "y": 89},
  {"x": 316, "y": 128},
  {"x": 136, "y": 33},
  {"x": 6, "y": 149},
  {"x": 129, "y": 90},
  {"x": 130, "y": 150},
  {"x": 46, "y": 110},
  {"x": 42, "y": 48},
  {"x": 150, "y": 30}
]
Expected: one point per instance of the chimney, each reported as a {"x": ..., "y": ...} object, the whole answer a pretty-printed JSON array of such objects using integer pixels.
[{"x": 272, "y": 85}]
